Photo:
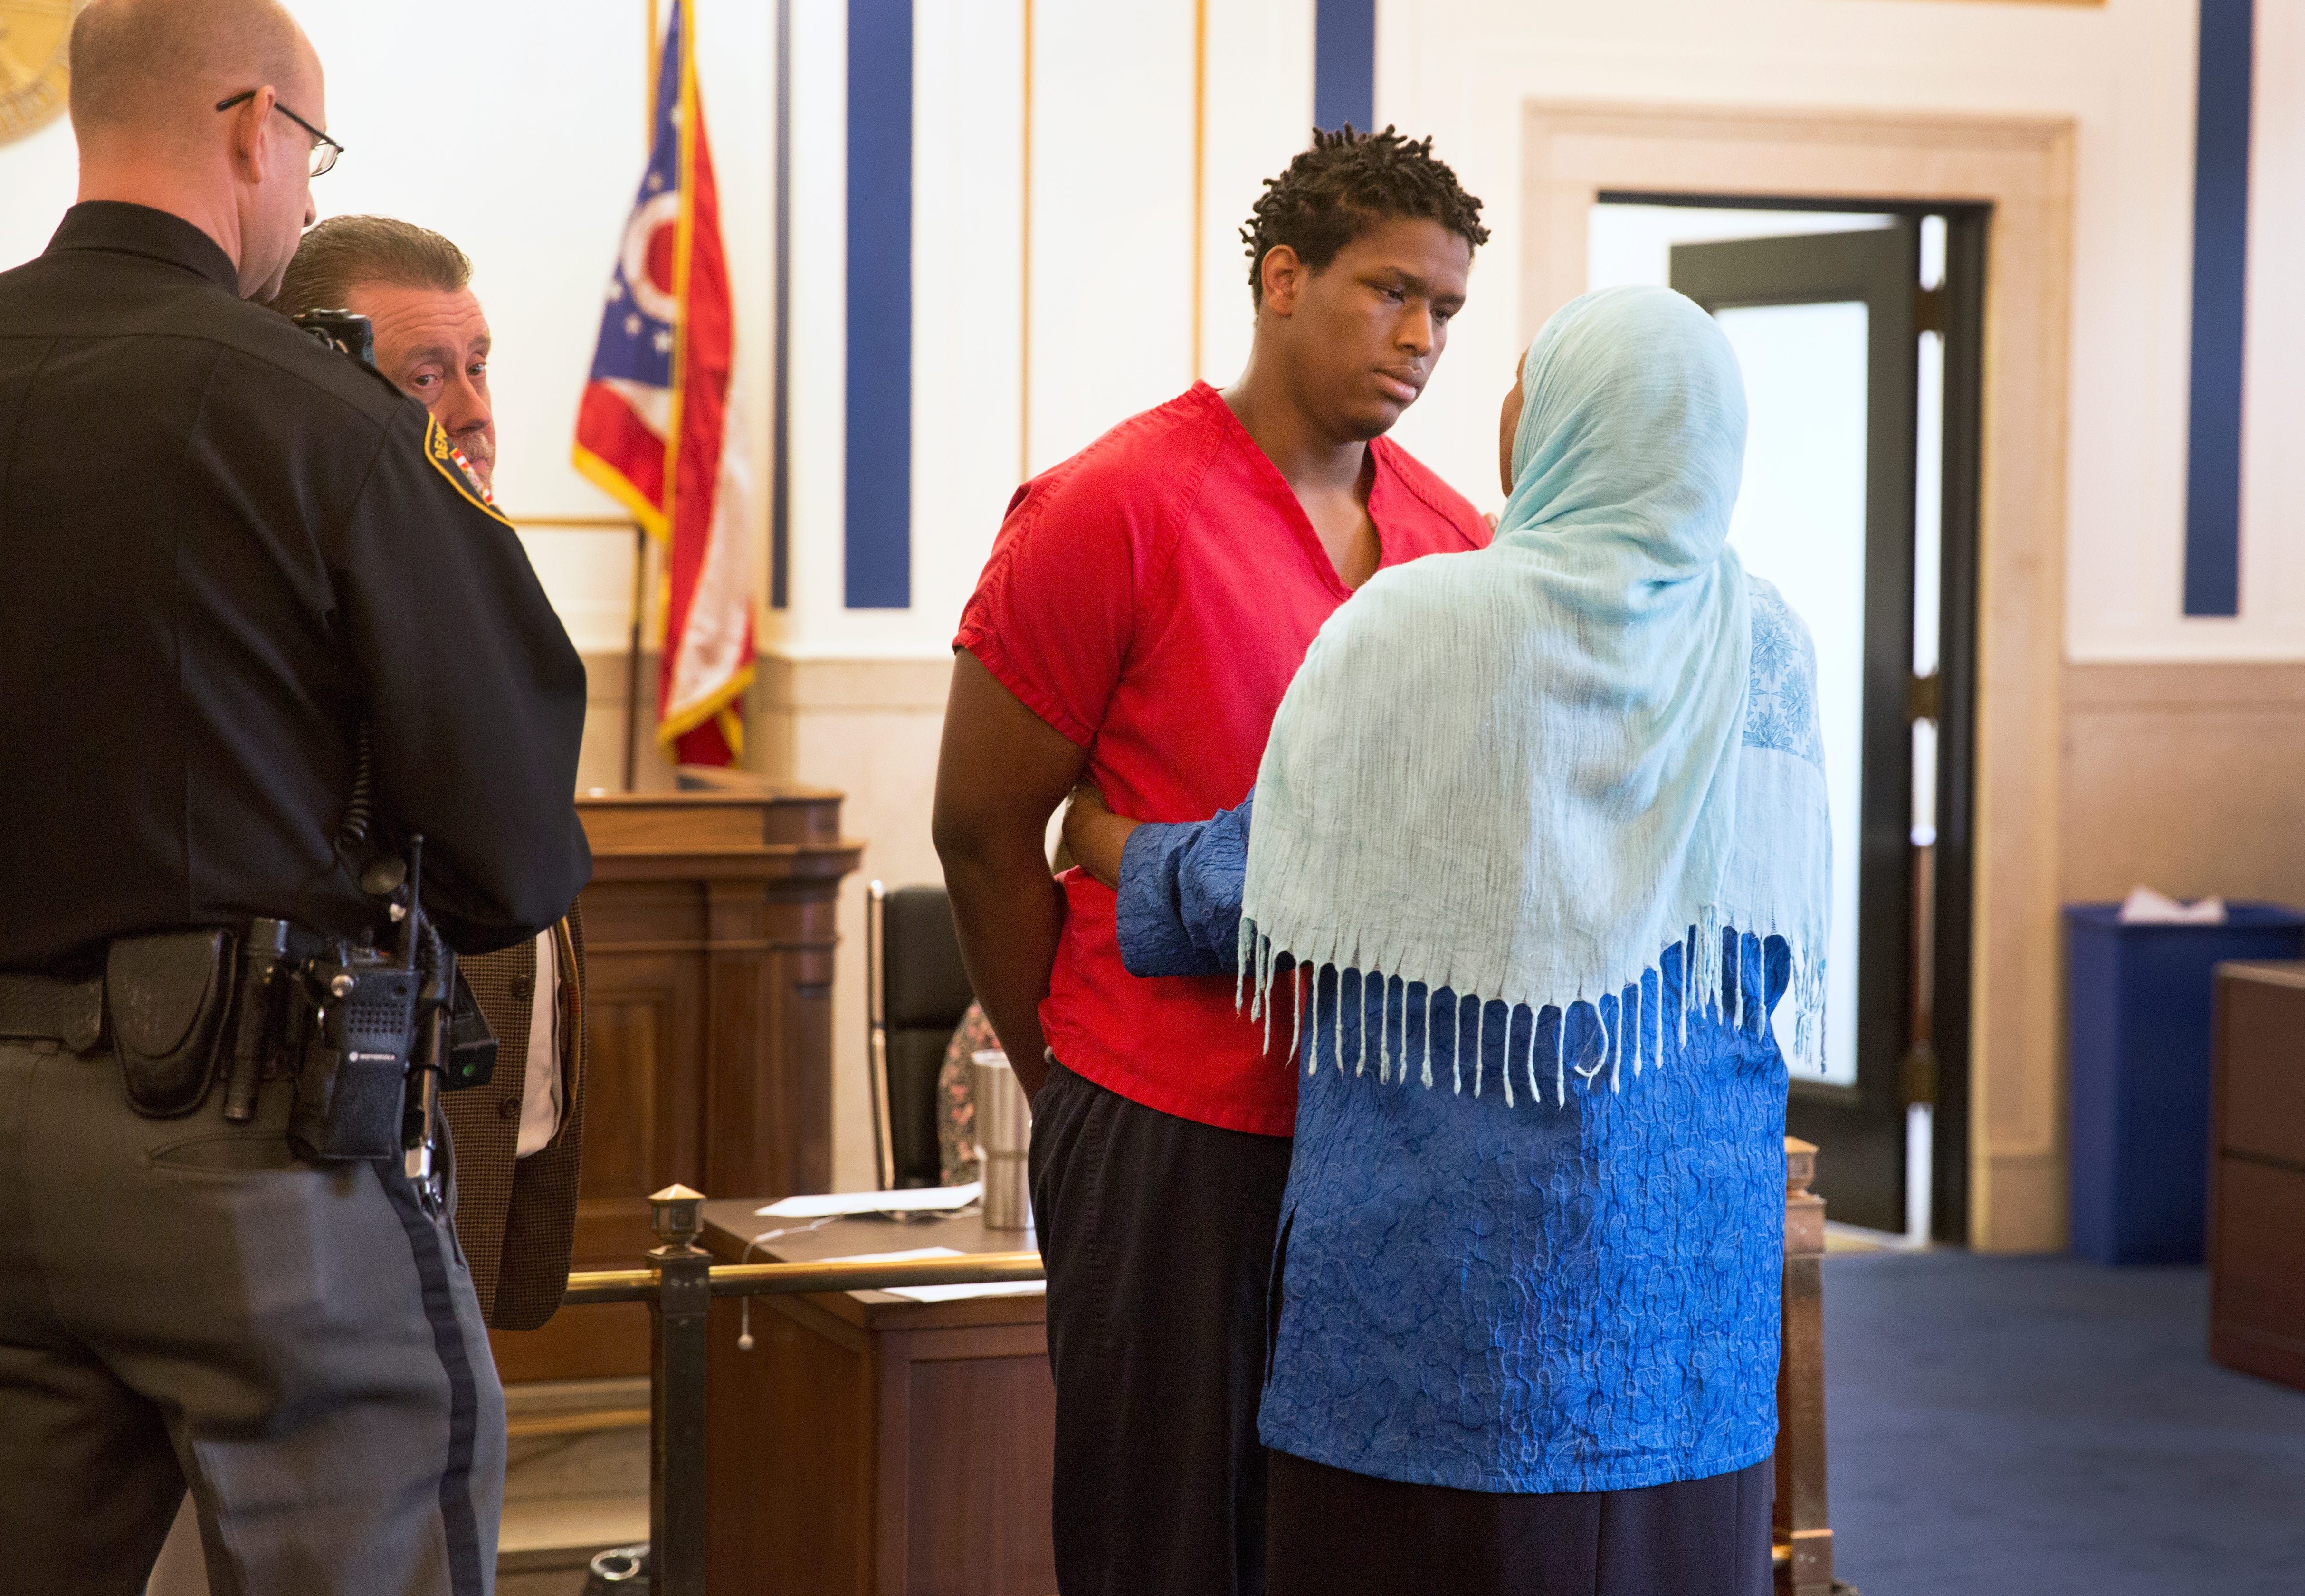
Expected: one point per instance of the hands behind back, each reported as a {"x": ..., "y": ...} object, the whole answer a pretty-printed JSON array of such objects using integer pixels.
[{"x": 1095, "y": 836}]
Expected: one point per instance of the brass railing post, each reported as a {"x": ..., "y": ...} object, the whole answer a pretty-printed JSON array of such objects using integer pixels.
[
  {"x": 1801, "y": 1525},
  {"x": 677, "y": 1312}
]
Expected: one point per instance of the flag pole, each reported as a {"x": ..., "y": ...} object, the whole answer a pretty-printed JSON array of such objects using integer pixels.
[
  {"x": 633, "y": 662},
  {"x": 640, "y": 533},
  {"x": 648, "y": 90}
]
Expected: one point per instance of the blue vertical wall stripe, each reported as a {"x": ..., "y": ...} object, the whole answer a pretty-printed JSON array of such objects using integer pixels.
[
  {"x": 1344, "y": 63},
  {"x": 780, "y": 354},
  {"x": 2220, "y": 273},
  {"x": 879, "y": 531}
]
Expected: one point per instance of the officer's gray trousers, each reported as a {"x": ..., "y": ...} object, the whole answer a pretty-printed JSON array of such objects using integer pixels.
[{"x": 183, "y": 1301}]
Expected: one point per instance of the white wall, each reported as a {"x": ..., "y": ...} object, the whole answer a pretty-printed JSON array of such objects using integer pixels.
[
  {"x": 531, "y": 174},
  {"x": 1110, "y": 288},
  {"x": 37, "y": 178},
  {"x": 2273, "y": 413},
  {"x": 1260, "y": 111},
  {"x": 1461, "y": 69}
]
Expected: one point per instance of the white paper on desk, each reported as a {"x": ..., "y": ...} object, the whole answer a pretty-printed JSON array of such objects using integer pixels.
[
  {"x": 952, "y": 1293},
  {"x": 926, "y": 1199},
  {"x": 905, "y": 1257},
  {"x": 941, "y": 1294}
]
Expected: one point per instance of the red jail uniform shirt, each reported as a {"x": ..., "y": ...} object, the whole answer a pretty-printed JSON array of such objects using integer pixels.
[{"x": 1150, "y": 598}]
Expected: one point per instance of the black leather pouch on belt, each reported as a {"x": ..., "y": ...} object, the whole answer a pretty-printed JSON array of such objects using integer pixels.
[{"x": 167, "y": 997}]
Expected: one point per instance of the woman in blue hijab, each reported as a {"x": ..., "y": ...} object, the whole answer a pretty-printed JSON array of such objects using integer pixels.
[{"x": 1539, "y": 845}]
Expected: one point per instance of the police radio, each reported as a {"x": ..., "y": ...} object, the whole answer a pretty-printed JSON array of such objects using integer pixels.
[
  {"x": 343, "y": 332},
  {"x": 384, "y": 1032}
]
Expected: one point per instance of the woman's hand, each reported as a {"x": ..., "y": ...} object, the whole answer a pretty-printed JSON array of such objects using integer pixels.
[{"x": 1095, "y": 835}]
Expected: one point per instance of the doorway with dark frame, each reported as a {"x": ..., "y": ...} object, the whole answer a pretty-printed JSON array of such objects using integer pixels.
[{"x": 1860, "y": 328}]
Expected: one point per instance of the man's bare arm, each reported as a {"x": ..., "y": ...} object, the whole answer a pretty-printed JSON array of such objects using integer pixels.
[{"x": 1000, "y": 774}]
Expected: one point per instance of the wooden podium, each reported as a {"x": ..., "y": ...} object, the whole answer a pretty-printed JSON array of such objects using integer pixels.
[{"x": 708, "y": 943}]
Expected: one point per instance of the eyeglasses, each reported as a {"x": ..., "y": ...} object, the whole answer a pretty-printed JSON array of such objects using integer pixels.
[{"x": 325, "y": 149}]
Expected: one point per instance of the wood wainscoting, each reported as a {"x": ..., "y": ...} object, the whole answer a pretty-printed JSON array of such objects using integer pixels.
[
  {"x": 709, "y": 959},
  {"x": 2186, "y": 775}
]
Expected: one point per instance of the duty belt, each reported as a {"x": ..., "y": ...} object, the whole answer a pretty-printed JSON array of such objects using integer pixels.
[
  {"x": 47, "y": 1008},
  {"x": 370, "y": 1036}
]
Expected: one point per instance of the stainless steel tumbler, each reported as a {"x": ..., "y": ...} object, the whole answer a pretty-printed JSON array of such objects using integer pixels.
[{"x": 1003, "y": 1135}]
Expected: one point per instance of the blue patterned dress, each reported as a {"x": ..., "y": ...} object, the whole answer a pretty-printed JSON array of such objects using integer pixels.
[{"x": 1502, "y": 1290}]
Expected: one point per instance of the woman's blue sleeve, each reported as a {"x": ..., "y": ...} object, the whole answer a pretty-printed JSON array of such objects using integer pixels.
[{"x": 1180, "y": 888}]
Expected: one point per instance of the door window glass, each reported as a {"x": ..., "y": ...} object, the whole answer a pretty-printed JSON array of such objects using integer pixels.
[{"x": 1800, "y": 521}]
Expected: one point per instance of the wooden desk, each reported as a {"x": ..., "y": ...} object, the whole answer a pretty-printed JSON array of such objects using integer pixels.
[
  {"x": 871, "y": 1445},
  {"x": 709, "y": 943},
  {"x": 2257, "y": 1172}
]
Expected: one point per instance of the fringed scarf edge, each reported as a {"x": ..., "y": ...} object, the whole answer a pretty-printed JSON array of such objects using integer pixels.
[{"x": 1643, "y": 1022}]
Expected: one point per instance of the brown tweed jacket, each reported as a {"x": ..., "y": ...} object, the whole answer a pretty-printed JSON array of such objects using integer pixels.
[{"x": 516, "y": 1218}]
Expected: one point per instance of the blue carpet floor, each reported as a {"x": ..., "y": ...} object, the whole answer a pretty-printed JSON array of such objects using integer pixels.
[{"x": 2047, "y": 1427}]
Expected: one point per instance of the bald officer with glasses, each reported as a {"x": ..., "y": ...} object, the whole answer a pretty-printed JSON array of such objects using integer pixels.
[{"x": 224, "y": 548}]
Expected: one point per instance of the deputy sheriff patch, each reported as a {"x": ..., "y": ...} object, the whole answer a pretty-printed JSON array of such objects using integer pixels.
[{"x": 449, "y": 461}]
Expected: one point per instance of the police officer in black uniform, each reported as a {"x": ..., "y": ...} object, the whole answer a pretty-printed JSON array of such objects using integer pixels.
[{"x": 225, "y": 550}]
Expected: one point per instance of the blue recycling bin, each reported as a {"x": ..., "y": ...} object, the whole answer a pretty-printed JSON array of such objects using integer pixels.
[{"x": 2139, "y": 1013}]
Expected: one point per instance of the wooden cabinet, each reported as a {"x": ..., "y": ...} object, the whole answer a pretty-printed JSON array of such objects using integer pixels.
[
  {"x": 869, "y": 1446},
  {"x": 2257, "y": 1172},
  {"x": 708, "y": 947}
]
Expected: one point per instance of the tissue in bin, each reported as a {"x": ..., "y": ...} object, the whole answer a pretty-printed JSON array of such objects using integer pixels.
[{"x": 2144, "y": 906}]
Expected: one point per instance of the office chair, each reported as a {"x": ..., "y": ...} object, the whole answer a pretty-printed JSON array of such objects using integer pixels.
[{"x": 916, "y": 993}]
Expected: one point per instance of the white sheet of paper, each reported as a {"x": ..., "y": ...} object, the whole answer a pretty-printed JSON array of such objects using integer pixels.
[
  {"x": 926, "y": 1199},
  {"x": 942, "y": 1294},
  {"x": 905, "y": 1257},
  {"x": 990, "y": 1288}
]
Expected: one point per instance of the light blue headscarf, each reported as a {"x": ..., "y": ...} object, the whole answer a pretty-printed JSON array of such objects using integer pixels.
[{"x": 1518, "y": 773}]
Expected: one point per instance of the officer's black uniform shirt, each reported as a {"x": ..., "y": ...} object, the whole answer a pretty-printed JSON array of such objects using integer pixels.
[{"x": 222, "y": 547}]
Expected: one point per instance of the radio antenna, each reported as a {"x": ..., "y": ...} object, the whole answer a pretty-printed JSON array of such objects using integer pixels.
[{"x": 416, "y": 886}]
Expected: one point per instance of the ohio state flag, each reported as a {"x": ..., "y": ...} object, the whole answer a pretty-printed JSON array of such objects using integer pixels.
[{"x": 656, "y": 425}]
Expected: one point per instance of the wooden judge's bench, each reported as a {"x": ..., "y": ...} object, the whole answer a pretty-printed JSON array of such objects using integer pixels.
[{"x": 708, "y": 943}]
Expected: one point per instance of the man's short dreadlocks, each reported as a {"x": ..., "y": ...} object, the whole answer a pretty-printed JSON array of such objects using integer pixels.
[{"x": 1344, "y": 185}]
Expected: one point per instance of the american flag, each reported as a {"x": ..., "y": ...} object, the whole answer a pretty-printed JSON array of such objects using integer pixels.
[{"x": 657, "y": 430}]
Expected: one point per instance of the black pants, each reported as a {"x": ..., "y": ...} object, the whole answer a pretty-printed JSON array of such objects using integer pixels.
[
  {"x": 1335, "y": 1533},
  {"x": 1157, "y": 1236},
  {"x": 186, "y": 1302}
]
